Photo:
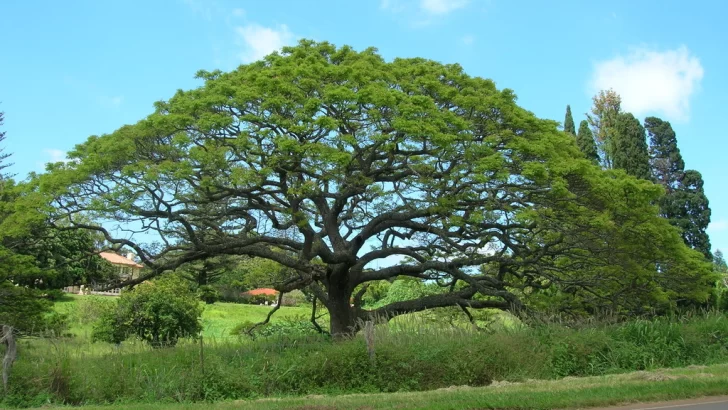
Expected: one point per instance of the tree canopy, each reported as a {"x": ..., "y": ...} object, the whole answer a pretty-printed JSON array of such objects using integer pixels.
[
  {"x": 607, "y": 105},
  {"x": 331, "y": 162},
  {"x": 569, "y": 122},
  {"x": 630, "y": 147},
  {"x": 3, "y": 155},
  {"x": 685, "y": 204},
  {"x": 35, "y": 258},
  {"x": 585, "y": 142}
]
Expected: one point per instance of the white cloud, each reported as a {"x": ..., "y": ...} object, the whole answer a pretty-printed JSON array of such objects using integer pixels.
[
  {"x": 468, "y": 39},
  {"x": 441, "y": 6},
  {"x": 116, "y": 101},
  {"x": 650, "y": 81},
  {"x": 421, "y": 13},
  {"x": 113, "y": 102},
  {"x": 238, "y": 12},
  {"x": 201, "y": 8},
  {"x": 392, "y": 5},
  {"x": 52, "y": 156},
  {"x": 718, "y": 226},
  {"x": 259, "y": 41}
]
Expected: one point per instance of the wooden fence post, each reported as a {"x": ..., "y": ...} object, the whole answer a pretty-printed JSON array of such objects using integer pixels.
[{"x": 8, "y": 338}]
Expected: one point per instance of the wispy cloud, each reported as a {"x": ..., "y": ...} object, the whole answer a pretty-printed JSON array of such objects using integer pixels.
[
  {"x": 113, "y": 102},
  {"x": 51, "y": 155},
  {"x": 720, "y": 225},
  {"x": 468, "y": 39},
  {"x": 394, "y": 6},
  {"x": 238, "y": 12},
  {"x": 419, "y": 13},
  {"x": 442, "y": 6},
  {"x": 203, "y": 8},
  {"x": 55, "y": 155},
  {"x": 259, "y": 41},
  {"x": 650, "y": 81}
]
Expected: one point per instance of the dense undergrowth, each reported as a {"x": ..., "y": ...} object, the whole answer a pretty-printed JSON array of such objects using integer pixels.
[{"x": 414, "y": 356}]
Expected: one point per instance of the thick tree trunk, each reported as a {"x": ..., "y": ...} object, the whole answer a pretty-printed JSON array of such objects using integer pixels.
[
  {"x": 8, "y": 338},
  {"x": 342, "y": 316}
]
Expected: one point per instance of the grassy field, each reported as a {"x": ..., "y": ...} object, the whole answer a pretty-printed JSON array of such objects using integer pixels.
[
  {"x": 696, "y": 381},
  {"x": 415, "y": 356},
  {"x": 218, "y": 319}
]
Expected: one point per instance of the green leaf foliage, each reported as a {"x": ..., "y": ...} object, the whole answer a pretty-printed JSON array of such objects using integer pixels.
[
  {"x": 630, "y": 147},
  {"x": 569, "y": 122},
  {"x": 665, "y": 158},
  {"x": 37, "y": 260},
  {"x": 159, "y": 312},
  {"x": 685, "y": 203},
  {"x": 585, "y": 142},
  {"x": 326, "y": 161}
]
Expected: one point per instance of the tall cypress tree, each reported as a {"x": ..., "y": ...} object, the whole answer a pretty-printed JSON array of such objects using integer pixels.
[
  {"x": 689, "y": 210},
  {"x": 685, "y": 204},
  {"x": 630, "y": 147},
  {"x": 667, "y": 163},
  {"x": 585, "y": 141},
  {"x": 569, "y": 122},
  {"x": 3, "y": 155}
]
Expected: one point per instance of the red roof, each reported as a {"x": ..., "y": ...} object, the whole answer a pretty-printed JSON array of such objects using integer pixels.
[
  {"x": 261, "y": 291},
  {"x": 116, "y": 259}
]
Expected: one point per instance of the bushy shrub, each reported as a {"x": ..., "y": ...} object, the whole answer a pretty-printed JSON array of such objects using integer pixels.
[
  {"x": 293, "y": 298},
  {"x": 285, "y": 327},
  {"x": 89, "y": 309},
  {"x": 55, "y": 324},
  {"x": 208, "y": 294},
  {"x": 159, "y": 312}
]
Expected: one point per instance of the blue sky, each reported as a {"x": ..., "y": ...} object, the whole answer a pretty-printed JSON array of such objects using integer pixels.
[{"x": 73, "y": 69}]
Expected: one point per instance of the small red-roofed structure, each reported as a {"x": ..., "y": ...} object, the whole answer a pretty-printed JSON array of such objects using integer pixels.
[{"x": 261, "y": 291}]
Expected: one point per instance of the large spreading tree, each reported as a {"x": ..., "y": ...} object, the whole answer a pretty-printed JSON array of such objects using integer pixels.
[
  {"x": 346, "y": 169},
  {"x": 685, "y": 203}
]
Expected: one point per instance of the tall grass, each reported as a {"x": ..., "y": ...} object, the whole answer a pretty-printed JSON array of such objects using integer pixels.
[{"x": 412, "y": 356}]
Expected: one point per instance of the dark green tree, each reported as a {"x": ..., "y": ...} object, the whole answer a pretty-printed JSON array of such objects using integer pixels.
[
  {"x": 209, "y": 271},
  {"x": 719, "y": 262},
  {"x": 667, "y": 163},
  {"x": 585, "y": 141},
  {"x": 331, "y": 162},
  {"x": 35, "y": 258},
  {"x": 630, "y": 147},
  {"x": 3, "y": 155},
  {"x": 685, "y": 204},
  {"x": 688, "y": 209},
  {"x": 569, "y": 122}
]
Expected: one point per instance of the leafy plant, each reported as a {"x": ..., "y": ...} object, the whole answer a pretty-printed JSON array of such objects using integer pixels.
[
  {"x": 159, "y": 312},
  {"x": 208, "y": 294}
]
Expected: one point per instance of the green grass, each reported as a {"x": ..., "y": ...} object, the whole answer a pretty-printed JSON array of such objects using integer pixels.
[
  {"x": 536, "y": 395},
  {"x": 218, "y": 319},
  {"x": 413, "y": 356}
]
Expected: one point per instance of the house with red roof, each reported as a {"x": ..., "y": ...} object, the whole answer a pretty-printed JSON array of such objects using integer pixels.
[
  {"x": 126, "y": 267},
  {"x": 261, "y": 291},
  {"x": 263, "y": 296}
]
